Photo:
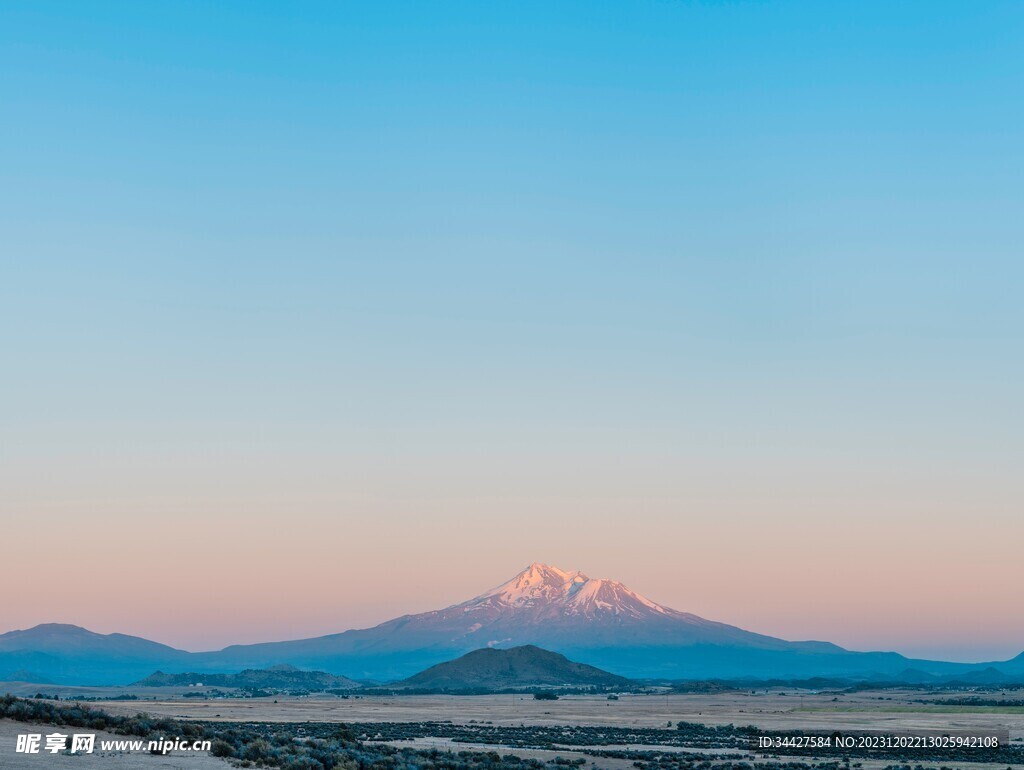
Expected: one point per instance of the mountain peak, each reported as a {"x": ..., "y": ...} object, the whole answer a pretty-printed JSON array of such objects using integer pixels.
[
  {"x": 538, "y": 583},
  {"x": 611, "y": 595},
  {"x": 50, "y": 630},
  {"x": 548, "y": 591},
  {"x": 546, "y": 570},
  {"x": 75, "y": 641},
  {"x": 64, "y": 628}
]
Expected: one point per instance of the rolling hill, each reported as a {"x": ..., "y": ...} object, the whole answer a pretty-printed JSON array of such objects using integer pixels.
[
  {"x": 67, "y": 654},
  {"x": 497, "y": 669},
  {"x": 283, "y": 677}
]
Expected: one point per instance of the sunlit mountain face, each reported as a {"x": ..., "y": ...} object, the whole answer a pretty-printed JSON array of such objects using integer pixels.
[{"x": 593, "y": 621}]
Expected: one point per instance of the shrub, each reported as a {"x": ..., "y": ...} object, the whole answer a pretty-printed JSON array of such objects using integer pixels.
[{"x": 221, "y": 748}]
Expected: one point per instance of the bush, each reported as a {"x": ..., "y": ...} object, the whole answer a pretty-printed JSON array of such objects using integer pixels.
[{"x": 221, "y": 748}]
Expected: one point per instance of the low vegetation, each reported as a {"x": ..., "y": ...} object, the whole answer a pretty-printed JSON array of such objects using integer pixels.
[
  {"x": 325, "y": 746},
  {"x": 975, "y": 700},
  {"x": 274, "y": 679}
]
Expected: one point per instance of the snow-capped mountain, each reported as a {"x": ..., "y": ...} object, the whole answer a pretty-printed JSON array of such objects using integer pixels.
[
  {"x": 595, "y": 621},
  {"x": 592, "y": 621},
  {"x": 548, "y": 592},
  {"x": 547, "y": 605}
]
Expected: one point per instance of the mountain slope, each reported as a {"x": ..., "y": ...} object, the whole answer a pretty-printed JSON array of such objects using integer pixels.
[
  {"x": 21, "y": 675},
  {"x": 525, "y": 666},
  {"x": 1013, "y": 666},
  {"x": 281, "y": 677},
  {"x": 594, "y": 621},
  {"x": 68, "y": 654}
]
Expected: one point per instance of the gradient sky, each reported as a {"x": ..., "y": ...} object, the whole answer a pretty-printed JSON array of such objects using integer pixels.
[{"x": 314, "y": 314}]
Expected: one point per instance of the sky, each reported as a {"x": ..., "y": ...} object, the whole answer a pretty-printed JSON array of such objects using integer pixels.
[{"x": 316, "y": 314}]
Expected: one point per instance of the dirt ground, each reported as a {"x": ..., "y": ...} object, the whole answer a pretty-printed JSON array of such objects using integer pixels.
[
  {"x": 607, "y": 763},
  {"x": 892, "y": 711},
  {"x": 99, "y": 760},
  {"x": 888, "y": 710}
]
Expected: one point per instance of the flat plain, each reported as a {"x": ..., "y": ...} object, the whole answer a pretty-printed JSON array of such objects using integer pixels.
[
  {"x": 889, "y": 711},
  {"x": 895, "y": 711}
]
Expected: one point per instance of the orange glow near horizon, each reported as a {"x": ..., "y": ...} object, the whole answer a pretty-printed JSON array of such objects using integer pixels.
[{"x": 285, "y": 566}]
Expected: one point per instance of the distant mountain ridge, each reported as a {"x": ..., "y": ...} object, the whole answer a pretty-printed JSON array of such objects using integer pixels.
[
  {"x": 497, "y": 669},
  {"x": 283, "y": 677},
  {"x": 68, "y": 654},
  {"x": 594, "y": 621},
  {"x": 21, "y": 675}
]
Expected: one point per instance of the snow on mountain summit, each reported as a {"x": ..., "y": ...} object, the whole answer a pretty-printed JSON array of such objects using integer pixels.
[
  {"x": 612, "y": 596},
  {"x": 548, "y": 590},
  {"x": 536, "y": 583}
]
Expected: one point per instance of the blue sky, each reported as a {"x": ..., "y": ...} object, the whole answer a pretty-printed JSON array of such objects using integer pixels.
[{"x": 360, "y": 265}]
